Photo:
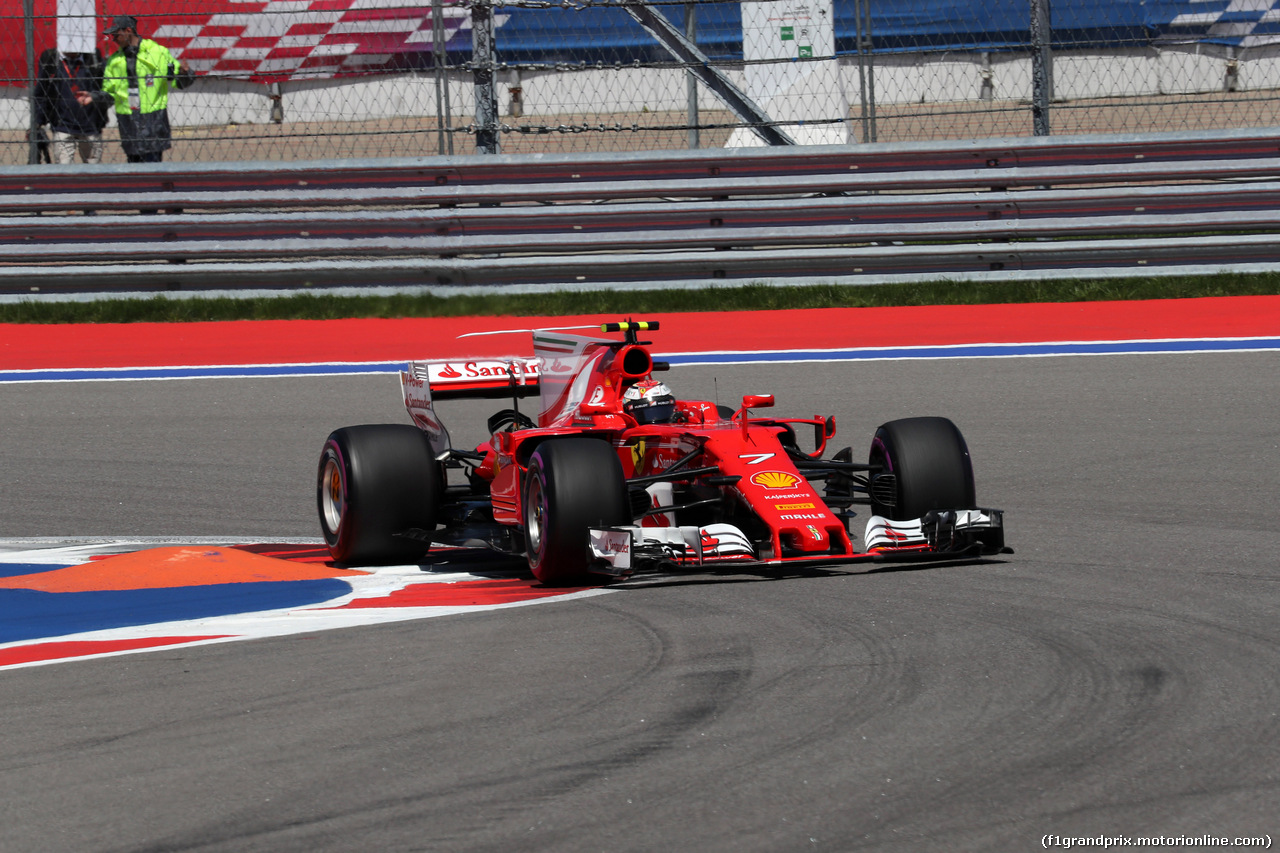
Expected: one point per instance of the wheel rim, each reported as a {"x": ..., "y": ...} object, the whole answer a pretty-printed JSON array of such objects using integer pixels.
[
  {"x": 535, "y": 517},
  {"x": 332, "y": 495}
]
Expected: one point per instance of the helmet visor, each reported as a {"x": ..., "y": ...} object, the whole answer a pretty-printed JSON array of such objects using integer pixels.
[{"x": 660, "y": 412}]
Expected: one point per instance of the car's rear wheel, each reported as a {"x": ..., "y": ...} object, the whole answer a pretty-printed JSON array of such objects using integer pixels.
[
  {"x": 923, "y": 465},
  {"x": 571, "y": 485},
  {"x": 376, "y": 482}
]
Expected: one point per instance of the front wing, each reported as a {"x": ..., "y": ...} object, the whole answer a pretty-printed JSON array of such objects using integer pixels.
[{"x": 622, "y": 551}]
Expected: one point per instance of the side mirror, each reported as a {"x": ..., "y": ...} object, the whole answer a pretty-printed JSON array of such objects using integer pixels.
[
  {"x": 750, "y": 401},
  {"x": 823, "y": 429},
  {"x": 757, "y": 401}
]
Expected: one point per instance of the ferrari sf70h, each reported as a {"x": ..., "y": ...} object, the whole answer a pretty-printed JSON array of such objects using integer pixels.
[{"x": 614, "y": 475}]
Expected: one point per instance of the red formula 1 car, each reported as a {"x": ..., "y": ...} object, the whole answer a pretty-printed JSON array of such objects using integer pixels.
[{"x": 616, "y": 476}]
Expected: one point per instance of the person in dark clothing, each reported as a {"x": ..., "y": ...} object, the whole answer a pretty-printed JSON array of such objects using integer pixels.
[{"x": 65, "y": 91}]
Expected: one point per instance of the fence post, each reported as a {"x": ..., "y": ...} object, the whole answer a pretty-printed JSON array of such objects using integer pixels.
[
  {"x": 438, "y": 46},
  {"x": 28, "y": 30},
  {"x": 866, "y": 68},
  {"x": 691, "y": 33},
  {"x": 482, "y": 63},
  {"x": 277, "y": 103},
  {"x": 1041, "y": 66}
]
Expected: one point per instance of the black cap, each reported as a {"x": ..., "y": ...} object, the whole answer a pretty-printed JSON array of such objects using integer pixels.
[{"x": 122, "y": 22}]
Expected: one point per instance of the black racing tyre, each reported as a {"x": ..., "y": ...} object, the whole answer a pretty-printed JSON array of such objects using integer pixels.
[
  {"x": 925, "y": 466},
  {"x": 571, "y": 484},
  {"x": 376, "y": 481}
]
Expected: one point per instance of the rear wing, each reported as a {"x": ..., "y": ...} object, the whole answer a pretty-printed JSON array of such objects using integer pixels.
[
  {"x": 423, "y": 382},
  {"x": 486, "y": 378}
]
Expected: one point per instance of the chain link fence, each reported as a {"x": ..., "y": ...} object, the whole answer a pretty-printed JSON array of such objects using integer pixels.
[{"x": 320, "y": 79}]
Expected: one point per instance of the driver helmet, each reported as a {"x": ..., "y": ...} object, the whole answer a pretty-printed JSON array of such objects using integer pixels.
[{"x": 649, "y": 402}]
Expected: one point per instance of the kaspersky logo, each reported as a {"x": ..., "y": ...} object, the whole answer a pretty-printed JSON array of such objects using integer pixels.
[{"x": 775, "y": 480}]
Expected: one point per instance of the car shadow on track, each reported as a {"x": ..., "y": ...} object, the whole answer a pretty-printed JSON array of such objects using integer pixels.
[
  {"x": 923, "y": 565},
  {"x": 475, "y": 561},
  {"x": 708, "y": 578},
  {"x": 494, "y": 565}
]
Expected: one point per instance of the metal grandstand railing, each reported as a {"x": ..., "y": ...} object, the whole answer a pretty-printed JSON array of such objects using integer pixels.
[{"x": 843, "y": 214}]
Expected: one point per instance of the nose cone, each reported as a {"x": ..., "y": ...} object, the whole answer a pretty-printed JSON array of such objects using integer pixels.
[{"x": 810, "y": 538}]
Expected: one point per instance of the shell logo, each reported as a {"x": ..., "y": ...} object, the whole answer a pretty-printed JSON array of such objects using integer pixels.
[{"x": 775, "y": 479}]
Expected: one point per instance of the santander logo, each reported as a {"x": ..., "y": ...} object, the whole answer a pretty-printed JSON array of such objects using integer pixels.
[{"x": 521, "y": 371}]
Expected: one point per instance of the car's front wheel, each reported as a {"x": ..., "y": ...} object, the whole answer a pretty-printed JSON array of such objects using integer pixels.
[
  {"x": 571, "y": 485},
  {"x": 919, "y": 464},
  {"x": 375, "y": 482}
]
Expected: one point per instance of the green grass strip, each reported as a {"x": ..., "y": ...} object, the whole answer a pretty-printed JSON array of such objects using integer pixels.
[{"x": 756, "y": 297}]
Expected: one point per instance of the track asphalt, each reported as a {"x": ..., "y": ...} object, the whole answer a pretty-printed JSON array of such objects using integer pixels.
[{"x": 1115, "y": 678}]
